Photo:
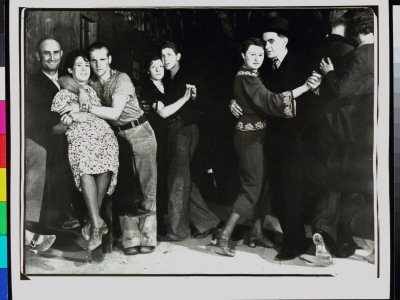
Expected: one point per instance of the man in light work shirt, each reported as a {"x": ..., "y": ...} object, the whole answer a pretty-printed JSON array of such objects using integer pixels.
[{"x": 121, "y": 108}]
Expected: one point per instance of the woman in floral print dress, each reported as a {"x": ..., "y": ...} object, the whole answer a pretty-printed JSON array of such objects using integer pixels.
[
  {"x": 256, "y": 101},
  {"x": 92, "y": 149}
]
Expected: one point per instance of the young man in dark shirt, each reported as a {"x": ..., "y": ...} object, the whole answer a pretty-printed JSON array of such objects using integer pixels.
[{"x": 186, "y": 206}]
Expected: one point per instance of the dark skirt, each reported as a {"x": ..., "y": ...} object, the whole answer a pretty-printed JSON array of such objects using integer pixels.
[{"x": 249, "y": 147}]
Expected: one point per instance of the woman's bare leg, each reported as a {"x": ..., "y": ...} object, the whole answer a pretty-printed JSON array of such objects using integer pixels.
[
  {"x": 257, "y": 228},
  {"x": 102, "y": 182},
  {"x": 89, "y": 191},
  {"x": 230, "y": 225}
]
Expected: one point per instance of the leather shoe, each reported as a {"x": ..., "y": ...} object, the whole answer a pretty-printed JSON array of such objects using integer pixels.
[
  {"x": 131, "y": 251},
  {"x": 345, "y": 249},
  {"x": 146, "y": 249},
  {"x": 252, "y": 241},
  {"x": 41, "y": 242},
  {"x": 201, "y": 235},
  {"x": 323, "y": 257},
  {"x": 222, "y": 244},
  {"x": 139, "y": 212},
  {"x": 282, "y": 256},
  {"x": 289, "y": 255}
]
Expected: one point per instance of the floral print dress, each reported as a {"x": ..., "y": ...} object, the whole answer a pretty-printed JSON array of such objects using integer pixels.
[{"x": 92, "y": 146}]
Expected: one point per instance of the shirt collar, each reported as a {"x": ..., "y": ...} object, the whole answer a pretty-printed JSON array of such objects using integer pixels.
[
  {"x": 97, "y": 79},
  {"x": 159, "y": 85},
  {"x": 282, "y": 56},
  {"x": 53, "y": 78},
  {"x": 363, "y": 43},
  {"x": 253, "y": 72}
]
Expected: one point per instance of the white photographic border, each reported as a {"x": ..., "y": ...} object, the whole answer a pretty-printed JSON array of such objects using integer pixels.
[{"x": 201, "y": 287}]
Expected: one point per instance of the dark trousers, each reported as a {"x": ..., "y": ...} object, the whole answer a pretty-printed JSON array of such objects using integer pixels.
[
  {"x": 249, "y": 147},
  {"x": 345, "y": 170},
  {"x": 287, "y": 179},
  {"x": 186, "y": 205},
  {"x": 61, "y": 198}
]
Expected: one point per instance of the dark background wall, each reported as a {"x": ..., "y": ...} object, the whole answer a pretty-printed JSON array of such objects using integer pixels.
[{"x": 209, "y": 38}]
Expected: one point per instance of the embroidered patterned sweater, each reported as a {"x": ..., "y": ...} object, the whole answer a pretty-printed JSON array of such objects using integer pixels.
[{"x": 256, "y": 101}]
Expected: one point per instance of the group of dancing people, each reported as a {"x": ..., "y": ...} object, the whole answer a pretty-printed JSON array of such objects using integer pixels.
[{"x": 291, "y": 120}]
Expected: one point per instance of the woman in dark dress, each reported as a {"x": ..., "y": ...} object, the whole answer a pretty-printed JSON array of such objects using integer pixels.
[
  {"x": 152, "y": 98},
  {"x": 256, "y": 101}
]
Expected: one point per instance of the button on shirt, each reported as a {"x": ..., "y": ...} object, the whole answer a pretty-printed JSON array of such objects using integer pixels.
[{"x": 119, "y": 84}]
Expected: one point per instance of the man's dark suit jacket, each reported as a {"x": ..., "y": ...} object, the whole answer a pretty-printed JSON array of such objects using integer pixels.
[
  {"x": 292, "y": 73},
  {"x": 60, "y": 190},
  {"x": 335, "y": 47},
  {"x": 39, "y": 119},
  {"x": 285, "y": 149},
  {"x": 356, "y": 85}
]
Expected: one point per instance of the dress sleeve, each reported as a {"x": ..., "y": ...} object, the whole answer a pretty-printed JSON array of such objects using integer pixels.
[
  {"x": 93, "y": 95},
  {"x": 60, "y": 100},
  {"x": 274, "y": 104}
]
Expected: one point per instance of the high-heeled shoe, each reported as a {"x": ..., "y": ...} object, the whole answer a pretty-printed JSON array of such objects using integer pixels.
[
  {"x": 223, "y": 244},
  {"x": 41, "y": 242},
  {"x": 97, "y": 236},
  {"x": 253, "y": 240},
  {"x": 86, "y": 229}
]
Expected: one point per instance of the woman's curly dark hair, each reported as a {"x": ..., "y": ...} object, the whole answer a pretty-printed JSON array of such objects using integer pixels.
[
  {"x": 361, "y": 21},
  {"x": 73, "y": 55}
]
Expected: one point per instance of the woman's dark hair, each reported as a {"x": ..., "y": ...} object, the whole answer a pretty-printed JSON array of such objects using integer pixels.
[
  {"x": 72, "y": 56},
  {"x": 252, "y": 41},
  {"x": 361, "y": 21},
  {"x": 149, "y": 59}
]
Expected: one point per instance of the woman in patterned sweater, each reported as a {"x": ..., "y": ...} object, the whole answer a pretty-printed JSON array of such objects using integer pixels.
[{"x": 256, "y": 101}]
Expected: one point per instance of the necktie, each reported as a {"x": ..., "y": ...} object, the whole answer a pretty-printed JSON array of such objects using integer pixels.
[{"x": 275, "y": 63}]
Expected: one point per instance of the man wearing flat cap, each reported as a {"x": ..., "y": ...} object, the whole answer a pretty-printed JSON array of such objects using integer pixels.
[{"x": 285, "y": 147}]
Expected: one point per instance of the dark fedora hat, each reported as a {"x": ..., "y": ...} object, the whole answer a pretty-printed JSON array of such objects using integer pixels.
[{"x": 278, "y": 25}]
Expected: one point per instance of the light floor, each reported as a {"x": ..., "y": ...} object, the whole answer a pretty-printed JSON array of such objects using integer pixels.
[{"x": 193, "y": 256}]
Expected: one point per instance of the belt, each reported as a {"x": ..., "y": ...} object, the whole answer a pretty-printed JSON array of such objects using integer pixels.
[
  {"x": 131, "y": 124},
  {"x": 174, "y": 120}
]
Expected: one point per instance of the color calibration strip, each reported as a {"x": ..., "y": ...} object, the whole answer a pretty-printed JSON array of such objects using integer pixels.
[{"x": 3, "y": 182}]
